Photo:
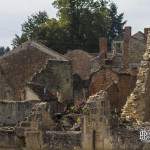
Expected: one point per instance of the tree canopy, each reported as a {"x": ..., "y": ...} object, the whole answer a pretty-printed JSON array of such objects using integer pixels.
[
  {"x": 4, "y": 50},
  {"x": 79, "y": 24}
]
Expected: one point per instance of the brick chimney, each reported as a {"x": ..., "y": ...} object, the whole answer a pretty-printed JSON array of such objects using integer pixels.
[
  {"x": 126, "y": 38},
  {"x": 148, "y": 38},
  {"x": 146, "y": 32},
  {"x": 103, "y": 47},
  {"x": 128, "y": 31}
]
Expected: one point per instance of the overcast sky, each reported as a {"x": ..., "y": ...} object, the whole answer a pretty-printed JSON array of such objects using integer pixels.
[{"x": 14, "y": 12}]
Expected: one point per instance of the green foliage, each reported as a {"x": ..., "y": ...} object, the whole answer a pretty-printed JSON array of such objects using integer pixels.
[
  {"x": 116, "y": 21},
  {"x": 78, "y": 108},
  {"x": 86, "y": 21},
  {"x": 80, "y": 23},
  {"x": 54, "y": 35},
  {"x": 33, "y": 23},
  {"x": 30, "y": 28},
  {"x": 4, "y": 50},
  {"x": 19, "y": 40}
]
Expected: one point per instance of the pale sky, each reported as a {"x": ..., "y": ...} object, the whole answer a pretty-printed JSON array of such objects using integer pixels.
[{"x": 14, "y": 12}]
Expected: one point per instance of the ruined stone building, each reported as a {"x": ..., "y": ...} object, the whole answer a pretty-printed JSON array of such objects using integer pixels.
[
  {"x": 81, "y": 66},
  {"x": 118, "y": 69},
  {"x": 137, "y": 46},
  {"x": 107, "y": 131},
  {"x": 29, "y": 74},
  {"x": 96, "y": 130},
  {"x": 137, "y": 105},
  {"x": 114, "y": 69},
  {"x": 31, "y": 71},
  {"x": 37, "y": 83}
]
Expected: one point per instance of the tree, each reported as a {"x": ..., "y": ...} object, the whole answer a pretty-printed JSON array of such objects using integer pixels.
[
  {"x": 86, "y": 21},
  {"x": 33, "y": 23},
  {"x": 18, "y": 40},
  {"x": 54, "y": 35},
  {"x": 80, "y": 23},
  {"x": 30, "y": 27},
  {"x": 116, "y": 21},
  {"x": 4, "y": 50}
]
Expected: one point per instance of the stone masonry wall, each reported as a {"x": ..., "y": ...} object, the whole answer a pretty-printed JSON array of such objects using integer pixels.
[
  {"x": 101, "y": 80},
  {"x": 104, "y": 131},
  {"x": 137, "y": 47},
  {"x": 118, "y": 85},
  {"x": 58, "y": 140},
  {"x": 11, "y": 112},
  {"x": 9, "y": 140},
  {"x": 96, "y": 130},
  {"x": 138, "y": 104},
  {"x": 56, "y": 77}
]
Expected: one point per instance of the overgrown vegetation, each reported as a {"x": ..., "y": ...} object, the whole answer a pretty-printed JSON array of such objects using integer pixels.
[{"x": 79, "y": 24}]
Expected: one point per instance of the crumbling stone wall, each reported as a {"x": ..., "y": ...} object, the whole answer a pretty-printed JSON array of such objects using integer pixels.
[
  {"x": 96, "y": 130},
  {"x": 118, "y": 86},
  {"x": 101, "y": 80},
  {"x": 81, "y": 70},
  {"x": 37, "y": 132},
  {"x": 6, "y": 91},
  {"x": 9, "y": 140},
  {"x": 125, "y": 139},
  {"x": 138, "y": 104},
  {"x": 38, "y": 122},
  {"x": 80, "y": 61},
  {"x": 105, "y": 131},
  {"x": 11, "y": 112},
  {"x": 21, "y": 65},
  {"x": 137, "y": 47},
  {"x": 67, "y": 140},
  {"x": 80, "y": 88},
  {"x": 125, "y": 86},
  {"x": 57, "y": 79}
]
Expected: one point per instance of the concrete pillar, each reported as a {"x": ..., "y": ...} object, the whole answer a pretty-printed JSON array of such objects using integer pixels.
[
  {"x": 126, "y": 39},
  {"x": 103, "y": 47}
]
